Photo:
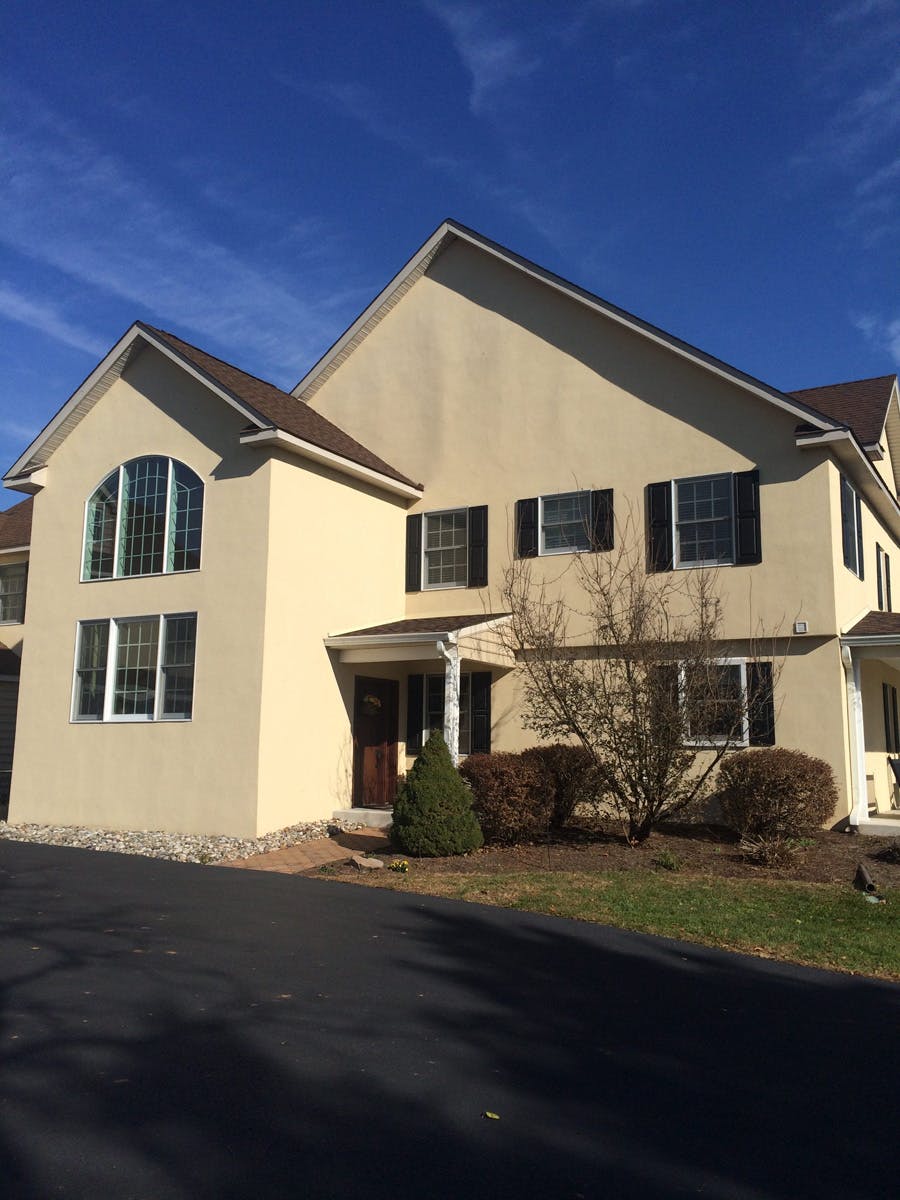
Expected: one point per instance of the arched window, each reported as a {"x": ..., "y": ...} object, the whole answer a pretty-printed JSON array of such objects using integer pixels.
[{"x": 145, "y": 518}]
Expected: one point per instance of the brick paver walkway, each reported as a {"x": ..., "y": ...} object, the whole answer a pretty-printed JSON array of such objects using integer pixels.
[{"x": 307, "y": 856}]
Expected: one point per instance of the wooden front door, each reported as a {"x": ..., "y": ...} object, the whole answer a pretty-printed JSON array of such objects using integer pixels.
[{"x": 375, "y": 706}]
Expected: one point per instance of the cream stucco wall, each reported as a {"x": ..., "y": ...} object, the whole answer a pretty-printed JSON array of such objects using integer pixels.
[
  {"x": 508, "y": 390},
  {"x": 335, "y": 564},
  {"x": 187, "y": 776}
]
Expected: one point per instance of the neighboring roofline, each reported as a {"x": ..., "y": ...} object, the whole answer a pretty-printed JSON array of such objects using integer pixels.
[
  {"x": 450, "y": 231},
  {"x": 309, "y": 450},
  {"x": 97, "y": 383}
]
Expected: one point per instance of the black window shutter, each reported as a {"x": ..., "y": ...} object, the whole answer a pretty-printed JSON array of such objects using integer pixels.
[
  {"x": 478, "y": 539},
  {"x": 481, "y": 712},
  {"x": 889, "y": 607},
  {"x": 602, "y": 525},
  {"x": 527, "y": 528},
  {"x": 414, "y": 553},
  {"x": 659, "y": 525},
  {"x": 859, "y": 540},
  {"x": 847, "y": 539},
  {"x": 415, "y": 703},
  {"x": 748, "y": 544},
  {"x": 886, "y": 709},
  {"x": 760, "y": 704},
  {"x": 879, "y": 571}
]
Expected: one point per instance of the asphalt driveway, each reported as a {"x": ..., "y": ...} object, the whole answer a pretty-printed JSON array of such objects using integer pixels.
[{"x": 195, "y": 1032}]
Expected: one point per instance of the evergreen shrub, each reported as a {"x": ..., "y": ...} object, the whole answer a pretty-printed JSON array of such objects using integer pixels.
[
  {"x": 776, "y": 793},
  {"x": 433, "y": 814}
]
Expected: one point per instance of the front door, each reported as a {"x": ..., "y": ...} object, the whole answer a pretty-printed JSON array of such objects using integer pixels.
[{"x": 375, "y": 706}]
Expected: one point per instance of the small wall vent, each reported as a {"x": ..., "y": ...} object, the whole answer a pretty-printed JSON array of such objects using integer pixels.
[{"x": 801, "y": 626}]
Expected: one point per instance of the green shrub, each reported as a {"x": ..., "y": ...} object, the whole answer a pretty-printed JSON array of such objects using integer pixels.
[
  {"x": 667, "y": 861},
  {"x": 433, "y": 814},
  {"x": 571, "y": 776},
  {"x": 769, "y": 851},
  {"x": 513, "y": 796},
  {"x": 776, "y": 793}
]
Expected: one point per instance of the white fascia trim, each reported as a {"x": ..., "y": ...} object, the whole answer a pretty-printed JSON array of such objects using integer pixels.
[
  {"x": 122, "y": 346},
  {"x": 439, "y": 235},
  {"x": 871, "y": 639},
  {"x": 846, "y": 447},
  {"x": 338, "y": 641},
  {"x": 295, "y": 445},
  {"x": 450, "y": 230}
]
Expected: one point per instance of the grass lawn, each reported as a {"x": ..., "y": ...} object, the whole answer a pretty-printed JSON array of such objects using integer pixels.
[{"x": 822, "y": 925}]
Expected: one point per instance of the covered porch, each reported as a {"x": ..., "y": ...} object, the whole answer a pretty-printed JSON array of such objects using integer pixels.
[
  {"x": 870, "y": 654},
  {"x": 406, "y": 678}
]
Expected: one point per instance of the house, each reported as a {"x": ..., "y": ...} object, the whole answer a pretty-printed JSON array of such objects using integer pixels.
[{"x": 246, "y": 608}]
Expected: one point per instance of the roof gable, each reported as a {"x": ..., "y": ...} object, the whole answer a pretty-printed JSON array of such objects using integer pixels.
[
  {"x": 265, "y": 407},
  {"x": 451, "y": 231}
]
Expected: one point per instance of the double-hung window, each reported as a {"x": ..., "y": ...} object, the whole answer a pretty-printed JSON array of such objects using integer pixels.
[
  {"x": 135, "y": 669},
  {"x": 446, "y": 549},
  {"x": 714, "y": 696},
  {"x": 851, "y": 529},
  {"x": 704, "y": 521},
  {"x": 146, "y": 518},
  {"x": 565, "y": 522},
  {"x": 12, "y": 593}
]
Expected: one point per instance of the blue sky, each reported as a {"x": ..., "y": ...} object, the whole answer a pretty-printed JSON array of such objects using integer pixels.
[{"x": 250, "y": 175}]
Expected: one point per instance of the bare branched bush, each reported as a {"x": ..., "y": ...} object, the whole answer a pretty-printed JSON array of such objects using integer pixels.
[{"x": 628, "y": 663}]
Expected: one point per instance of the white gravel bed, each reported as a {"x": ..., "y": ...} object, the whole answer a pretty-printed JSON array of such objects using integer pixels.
[{"x": 182, "y": 847}]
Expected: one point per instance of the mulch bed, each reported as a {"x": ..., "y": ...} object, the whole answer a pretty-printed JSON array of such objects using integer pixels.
[{"x": 698, "y": 849}]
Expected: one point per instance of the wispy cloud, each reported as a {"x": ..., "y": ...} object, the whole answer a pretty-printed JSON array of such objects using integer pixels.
[
  {"x": 883, "y": 333},
  {"x": 67, "y": 203},
  {"x": 493, "y": 56},
  {"x": 47, "y": 319}
]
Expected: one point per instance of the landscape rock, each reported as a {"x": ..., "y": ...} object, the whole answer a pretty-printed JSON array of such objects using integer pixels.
[{"x": 366, "y": 864}]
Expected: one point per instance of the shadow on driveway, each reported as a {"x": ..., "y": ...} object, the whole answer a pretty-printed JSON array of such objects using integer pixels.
[{"x": 180, "y": 1031}]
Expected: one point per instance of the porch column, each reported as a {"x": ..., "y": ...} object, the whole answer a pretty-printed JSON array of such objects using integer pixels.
[
  {"x": 450, "y": 651},
  {"x": 859, "y": 811}
]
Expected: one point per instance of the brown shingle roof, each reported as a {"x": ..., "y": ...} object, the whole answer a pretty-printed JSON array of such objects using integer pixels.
[
  {"x": 15, "y": 525},
  {"x": 877, "y": 624},
  {"x": 433, "y": 625},
  {"x": 283, "y": 410},
  {"x": 862, "y": 404}
]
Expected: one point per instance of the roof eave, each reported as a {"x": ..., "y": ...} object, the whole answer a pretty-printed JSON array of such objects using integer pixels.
[
  {"x": 852, "y": 455},
  {"x": 279, "y": 439}
]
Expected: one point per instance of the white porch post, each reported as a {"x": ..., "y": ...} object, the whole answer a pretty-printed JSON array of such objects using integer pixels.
[
  {"x": 450, "y": 651},
  {"x": 852, "y": 672}
]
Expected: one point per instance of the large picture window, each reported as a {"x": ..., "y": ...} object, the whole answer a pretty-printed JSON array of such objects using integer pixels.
[
  {"x": 135, "y": 669},
  {"x": 146, "y": 518}
]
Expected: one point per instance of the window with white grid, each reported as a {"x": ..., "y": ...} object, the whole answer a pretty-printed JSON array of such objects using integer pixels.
[
  {"x": 136, "y": 669},
  {"x": 704, "y": 521},
  {"x": 565, "y": 522},
  {"x": 12, "y": 592},
  {"x": 146, "y": 518},
  {"x": 446, "y": 548}
]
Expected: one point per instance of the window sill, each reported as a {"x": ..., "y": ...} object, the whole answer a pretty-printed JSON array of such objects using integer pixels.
[{"x": 149, "y": 575}]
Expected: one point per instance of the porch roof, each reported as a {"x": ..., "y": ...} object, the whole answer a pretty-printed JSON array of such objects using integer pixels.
[
  {"x": 432, "y": 626},
  {"x": 474, "y": 637},
  {"x": 875, "y": 625}
]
